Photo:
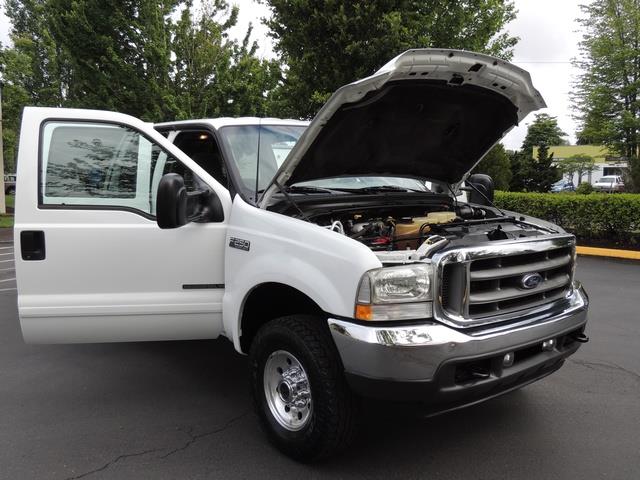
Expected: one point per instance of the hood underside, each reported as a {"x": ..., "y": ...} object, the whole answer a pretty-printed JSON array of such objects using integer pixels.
[
  {"x": 428, "y": 113},
  {"x": 427, "y": 129}
]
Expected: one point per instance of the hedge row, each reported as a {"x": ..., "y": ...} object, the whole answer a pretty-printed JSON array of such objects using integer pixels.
[{"x": 593, "y": 216}]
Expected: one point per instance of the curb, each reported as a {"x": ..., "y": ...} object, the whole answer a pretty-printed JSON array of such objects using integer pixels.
[{"x": 608, "y": 252}]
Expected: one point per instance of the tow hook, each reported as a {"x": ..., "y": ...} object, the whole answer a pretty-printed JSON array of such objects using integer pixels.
[{"x": 580, "y": 337}]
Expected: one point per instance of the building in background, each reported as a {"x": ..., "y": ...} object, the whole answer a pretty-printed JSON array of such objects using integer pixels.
[{"x": 606, "y": 162}]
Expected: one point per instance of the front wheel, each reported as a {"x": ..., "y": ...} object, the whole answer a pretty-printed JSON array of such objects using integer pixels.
[{"x": 299, "y": 390}]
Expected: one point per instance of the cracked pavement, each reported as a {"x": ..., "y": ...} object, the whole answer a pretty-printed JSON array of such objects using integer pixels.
[
  {"x": 183, "y": 410},
  {"x": 192, "y": 439}
]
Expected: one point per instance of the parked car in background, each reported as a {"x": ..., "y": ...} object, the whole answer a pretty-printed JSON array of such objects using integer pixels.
[
  {"x": 9, "y": 184},
  {"x": 563, "y": 186},
  {"x": 610, "y": 183}
]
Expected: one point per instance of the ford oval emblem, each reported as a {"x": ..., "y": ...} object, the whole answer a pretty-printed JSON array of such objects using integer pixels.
[{"x": 531, "y": 280}]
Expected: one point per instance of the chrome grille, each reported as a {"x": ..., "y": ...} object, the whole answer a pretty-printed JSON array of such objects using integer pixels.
[{"x": 483, "y": 285}]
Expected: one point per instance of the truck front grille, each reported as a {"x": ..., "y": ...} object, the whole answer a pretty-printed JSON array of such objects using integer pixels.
[{"x": 492, "y": 284}]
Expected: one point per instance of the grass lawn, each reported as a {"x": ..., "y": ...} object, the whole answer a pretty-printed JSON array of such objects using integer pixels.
[{"x": 7, "y": 220}]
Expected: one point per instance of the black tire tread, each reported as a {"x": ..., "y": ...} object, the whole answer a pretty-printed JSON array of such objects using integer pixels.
[{"x": 337, "y": 416}]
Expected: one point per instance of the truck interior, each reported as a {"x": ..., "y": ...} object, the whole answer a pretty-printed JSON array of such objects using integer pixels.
[{"x": 203, "y": 149}]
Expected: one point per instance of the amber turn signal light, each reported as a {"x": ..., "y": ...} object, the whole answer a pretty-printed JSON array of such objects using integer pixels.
[{"x": 364, "y": 312}]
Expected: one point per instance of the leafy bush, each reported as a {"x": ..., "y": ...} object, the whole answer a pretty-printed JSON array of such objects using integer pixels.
[
  {"x": 584, "y": 188},
  {"x": 595, "y": 216}
]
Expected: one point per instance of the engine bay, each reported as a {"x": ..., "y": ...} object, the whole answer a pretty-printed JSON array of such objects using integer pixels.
[
  {"x": 401, "y": 227},
  {"x": 407, "y": 228}
]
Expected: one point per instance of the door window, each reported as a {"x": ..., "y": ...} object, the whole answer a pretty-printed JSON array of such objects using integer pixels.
[{"x": 103, "y": 165}]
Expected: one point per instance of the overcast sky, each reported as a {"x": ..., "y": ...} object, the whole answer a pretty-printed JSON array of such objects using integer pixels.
[{"x": 549, "y": 39}]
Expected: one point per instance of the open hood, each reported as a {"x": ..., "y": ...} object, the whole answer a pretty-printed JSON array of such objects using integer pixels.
[{"x": 428, "y": 113}]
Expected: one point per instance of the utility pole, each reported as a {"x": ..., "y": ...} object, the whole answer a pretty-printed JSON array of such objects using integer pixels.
[{"x": 3, "y": 205}]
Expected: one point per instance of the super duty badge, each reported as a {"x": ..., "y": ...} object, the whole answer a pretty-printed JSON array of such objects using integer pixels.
[{"x": 239, "y": 243}]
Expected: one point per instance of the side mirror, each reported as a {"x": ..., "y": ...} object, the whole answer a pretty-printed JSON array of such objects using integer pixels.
[
  {"x": 176, "y": 207},
  {"x": 482, "y": 194},
  {"x": 171, "y": 201}
]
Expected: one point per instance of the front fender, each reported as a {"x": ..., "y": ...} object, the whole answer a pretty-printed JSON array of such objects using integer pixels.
[{"x": 264, "y": 246}]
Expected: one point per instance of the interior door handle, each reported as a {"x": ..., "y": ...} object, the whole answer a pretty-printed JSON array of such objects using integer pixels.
[{"x": 32, "y": 245}]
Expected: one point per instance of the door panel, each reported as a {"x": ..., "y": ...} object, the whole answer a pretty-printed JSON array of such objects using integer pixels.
[{"x": 110, "y": 273}]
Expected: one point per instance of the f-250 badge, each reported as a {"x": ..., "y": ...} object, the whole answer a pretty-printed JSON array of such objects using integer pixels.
[{"x": 239, "y": 243}]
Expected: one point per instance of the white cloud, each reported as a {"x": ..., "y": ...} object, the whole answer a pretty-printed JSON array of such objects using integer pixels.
[
  {"x": 252, "y": 12},
  {"x": 549, "y": 39},
  {"x": 5, "y": 26}
]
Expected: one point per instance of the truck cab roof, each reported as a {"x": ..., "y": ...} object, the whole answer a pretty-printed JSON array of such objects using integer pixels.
[{"x": 220, "y": 122}]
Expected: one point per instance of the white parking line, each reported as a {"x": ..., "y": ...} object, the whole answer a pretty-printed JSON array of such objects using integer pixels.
[
  {"x": 8, "y": 280},
  {"x": 5, "y": 254},
  {"x": 6, "y": 261},
  {"x": 6, "y": 269},
  {"x": 6, "y": 248},
  {"x": 7, "y": 289}
]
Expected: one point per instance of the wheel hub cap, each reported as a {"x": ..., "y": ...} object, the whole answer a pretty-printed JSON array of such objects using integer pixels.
[{"x": 286, "y": 388}]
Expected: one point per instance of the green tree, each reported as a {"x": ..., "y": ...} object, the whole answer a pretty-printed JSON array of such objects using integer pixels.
[
  {"x": 16, "y": 68},
  {"x": 119, "y": 53},
  {"x": 33, "y": 69},
  {"x": 544, "y": 172},
  {"x": 543, "y": 132},
  {"x": 607, "y": 92},
  {"x": 533, "y": 174},
  {"x": 521, "y": 165},
  {"x": 497, "y": 165},
  {"x": 139, "y": 57},
  {"x": 33, "y": 40},
  {"x": 252, "y": 82},
  {"x": 326, "y": 44},
  {"x": 579, "y": 164},
  {"x": 214, "y": 75}
]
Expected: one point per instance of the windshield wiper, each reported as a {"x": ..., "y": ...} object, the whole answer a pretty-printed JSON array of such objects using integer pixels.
[
  {"x": 388, "y": 188},
  {"x": 309, "y": 189}
]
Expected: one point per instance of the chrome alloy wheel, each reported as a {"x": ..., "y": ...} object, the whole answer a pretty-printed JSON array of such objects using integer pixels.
[{"x": 287, "y": 390}]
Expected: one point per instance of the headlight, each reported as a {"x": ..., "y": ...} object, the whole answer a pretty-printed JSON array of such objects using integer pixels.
[{"x": 395, "y": 293}]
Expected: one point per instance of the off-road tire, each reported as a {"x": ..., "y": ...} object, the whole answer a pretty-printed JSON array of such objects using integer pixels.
[{"x": 333, "y": 422}]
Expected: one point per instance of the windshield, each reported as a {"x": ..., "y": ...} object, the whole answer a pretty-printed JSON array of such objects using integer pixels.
[
  {"x": 276, "y": 141},
  {"x": 608, "y": 179},
  {"x": 366, "y": 182}
]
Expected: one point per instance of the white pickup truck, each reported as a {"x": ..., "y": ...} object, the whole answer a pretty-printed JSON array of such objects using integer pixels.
[{"x": 341, "y": 255}]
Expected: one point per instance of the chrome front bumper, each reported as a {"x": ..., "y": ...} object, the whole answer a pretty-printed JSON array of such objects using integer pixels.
[{"x": 429, "y": 353}]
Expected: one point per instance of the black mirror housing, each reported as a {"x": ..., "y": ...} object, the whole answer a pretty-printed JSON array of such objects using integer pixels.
[
  {"x": 175, "y": 206},
  {"x": 171, "y": 202},
  {"x": 209, "y": 207},
  {"x": 483, "y": 192}
]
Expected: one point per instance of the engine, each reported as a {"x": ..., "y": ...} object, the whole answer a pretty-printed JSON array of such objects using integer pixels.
[
  {"x": 390, "y": 233},
  {"x": 464, "y": 225}
]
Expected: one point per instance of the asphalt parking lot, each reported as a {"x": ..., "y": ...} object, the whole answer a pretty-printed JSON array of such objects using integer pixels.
[{"x": 182, "y": 410}]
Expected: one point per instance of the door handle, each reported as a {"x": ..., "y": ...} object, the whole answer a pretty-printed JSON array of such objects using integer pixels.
[{"x": 32, "y": 245}]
